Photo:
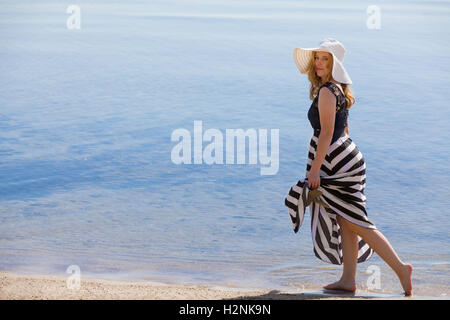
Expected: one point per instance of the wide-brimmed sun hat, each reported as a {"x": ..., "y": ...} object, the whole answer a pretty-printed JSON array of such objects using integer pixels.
[{"x": 302, "y": 57}]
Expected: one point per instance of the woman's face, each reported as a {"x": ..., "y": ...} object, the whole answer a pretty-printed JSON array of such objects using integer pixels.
[{"x": 322, "y": 60}]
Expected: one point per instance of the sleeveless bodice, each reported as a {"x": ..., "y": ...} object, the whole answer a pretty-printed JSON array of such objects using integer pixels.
[{"x": 341, "y": 112}]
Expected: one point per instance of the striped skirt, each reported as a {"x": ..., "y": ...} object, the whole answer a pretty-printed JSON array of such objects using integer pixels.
[{"x": 342, "y": 183}]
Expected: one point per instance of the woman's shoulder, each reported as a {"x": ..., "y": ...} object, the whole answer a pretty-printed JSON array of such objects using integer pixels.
[
  {"x": 333, "y": 87},
  {"x": 335, "y": 90}
]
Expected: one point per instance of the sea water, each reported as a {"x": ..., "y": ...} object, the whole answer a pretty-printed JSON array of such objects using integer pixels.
[{"x": 87, "y": 114}]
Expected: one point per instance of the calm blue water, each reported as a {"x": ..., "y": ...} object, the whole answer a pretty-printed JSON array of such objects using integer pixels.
[{"x": 86, "y": 118}]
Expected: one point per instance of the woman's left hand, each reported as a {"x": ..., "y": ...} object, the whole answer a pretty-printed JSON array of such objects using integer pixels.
[{"x": 313, "y": 179}]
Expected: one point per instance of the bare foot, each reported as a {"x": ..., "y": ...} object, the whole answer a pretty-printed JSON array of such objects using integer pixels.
[
  {"x": 405, "y": 279},
  {"x": 341, "y": 285}
]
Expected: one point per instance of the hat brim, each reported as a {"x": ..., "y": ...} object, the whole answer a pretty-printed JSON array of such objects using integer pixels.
[{"x": 302, "y": 56}]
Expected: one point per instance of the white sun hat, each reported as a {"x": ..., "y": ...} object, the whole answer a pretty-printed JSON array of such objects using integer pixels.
[{"x": 302, "y": 56}]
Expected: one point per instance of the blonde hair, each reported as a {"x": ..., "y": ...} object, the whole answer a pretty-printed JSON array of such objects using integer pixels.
[{"x": 316, "y": 81}]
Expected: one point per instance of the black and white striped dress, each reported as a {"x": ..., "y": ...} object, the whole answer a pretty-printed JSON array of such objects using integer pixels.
[{"x": 342, "y": 183}]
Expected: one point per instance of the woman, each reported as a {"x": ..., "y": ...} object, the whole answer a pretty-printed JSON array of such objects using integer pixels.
[{"x": 342, "y": 232}]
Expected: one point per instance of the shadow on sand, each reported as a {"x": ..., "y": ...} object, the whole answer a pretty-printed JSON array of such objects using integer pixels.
[{"x": 317, "y": 295}]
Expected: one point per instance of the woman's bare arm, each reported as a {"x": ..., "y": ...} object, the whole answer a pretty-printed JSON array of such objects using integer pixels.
[{"x": 327, "y": 112}]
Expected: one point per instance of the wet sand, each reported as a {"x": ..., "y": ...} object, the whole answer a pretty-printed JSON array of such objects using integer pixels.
[{"x": 43, "y": 287}]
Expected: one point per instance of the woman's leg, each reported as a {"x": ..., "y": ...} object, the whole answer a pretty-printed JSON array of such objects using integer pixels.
[
  {"x": 349, "y": 242},
  {"x": 378, "y": 242}
]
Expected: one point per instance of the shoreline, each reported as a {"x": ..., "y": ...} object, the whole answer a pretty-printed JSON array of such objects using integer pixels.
[{"x": 15, "y": 286}]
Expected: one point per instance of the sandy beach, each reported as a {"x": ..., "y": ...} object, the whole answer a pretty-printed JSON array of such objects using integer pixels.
[
  {"x": 44, "y": 287},
  {"x": 20, "y": 287}
]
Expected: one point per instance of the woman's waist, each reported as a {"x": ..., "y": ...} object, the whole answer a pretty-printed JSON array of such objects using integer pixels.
[{"x": 338, "y": 132}]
